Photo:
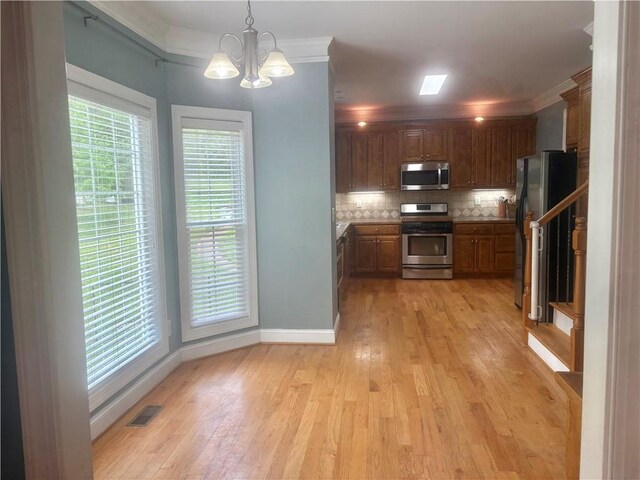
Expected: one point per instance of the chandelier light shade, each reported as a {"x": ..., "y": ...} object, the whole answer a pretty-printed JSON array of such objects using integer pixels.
[
  {"x": 258, "y": 69},
  {"x": 221, "y": 67}
]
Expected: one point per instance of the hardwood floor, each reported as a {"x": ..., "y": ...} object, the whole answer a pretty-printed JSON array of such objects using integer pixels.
[{"x": 428, "y": 380}]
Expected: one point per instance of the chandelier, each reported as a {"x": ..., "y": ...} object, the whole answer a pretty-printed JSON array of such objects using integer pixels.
[{"x": 258, "y": 68}]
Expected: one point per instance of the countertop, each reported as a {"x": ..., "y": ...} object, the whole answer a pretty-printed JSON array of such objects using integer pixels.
[
  {"x": 483, "y": 219},
  {"x": 343, "y": 225}
]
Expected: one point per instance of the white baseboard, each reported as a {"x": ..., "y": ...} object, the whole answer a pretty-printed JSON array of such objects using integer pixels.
[
  {"x": 336, "y": 327},
  {"x": 546, "y": 355},
  {"x": 127, "y": 399},
  {"x": 106, "y": 417},
  {"x": 562, "y": 321},
  {"x": 281, "y": 335},
  {"x": 219, "y": 345}
]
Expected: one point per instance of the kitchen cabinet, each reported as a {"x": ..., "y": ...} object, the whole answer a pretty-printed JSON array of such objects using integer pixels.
[
  {"x": 482, "y": 155},
  {"x": 359, "y": 162},
  {"x": 343, "y": 162},
  {"x": 367, "y": 161},
  {"x": 377, "y": 249},
  {"x": 505, "y": 247},
  {"x": 461, "y": 157},
  {"x": 425, "y": 144},
  {"x": 483, "y": 248},
  {"x": 578, "y": 129},
  {"x": 502, "y": 161}
]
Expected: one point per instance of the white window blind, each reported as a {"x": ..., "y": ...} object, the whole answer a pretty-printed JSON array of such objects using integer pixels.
[
  {"x": 216, "y": 221},
  {"x": 118, "y": 236}
]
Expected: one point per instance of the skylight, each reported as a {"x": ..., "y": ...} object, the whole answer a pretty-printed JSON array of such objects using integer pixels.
[{"x": 432, "y": 84}]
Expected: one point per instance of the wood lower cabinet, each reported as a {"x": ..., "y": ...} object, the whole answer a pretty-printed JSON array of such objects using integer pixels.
[
  {"x": 377, "y": 249},
  {"x": 483, "y": 248}
]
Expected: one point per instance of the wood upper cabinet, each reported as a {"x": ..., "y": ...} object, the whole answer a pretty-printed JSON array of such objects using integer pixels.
[
  {"x": 461, "y": 157},
  {"x": 502, "y": 163},
  {"x": 359, "y": 161},
  {"x": 412, "y": 145},
  {"x": 391, "y": 161},
  {"x": 572, "y": 135},
  {"x": 367, "y": 161},
  {"x": 523, "y": 143},
  {"x": 436, "y": 144},
  {"x": 481, "y": 157},
  {"x": 375, "y": 161},
  {"x": 389, "y": 253},
  {"x": 424, "y": 144},
  {"x": 343, "y": 162}
]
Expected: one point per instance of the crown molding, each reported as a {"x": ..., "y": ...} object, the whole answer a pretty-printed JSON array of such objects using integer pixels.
[
  {"x": 414, "y": 113},
  {"x": 199, "y": 44},
  {"x": 551, "y": 96},
  {"x": 150, "y": 27}
]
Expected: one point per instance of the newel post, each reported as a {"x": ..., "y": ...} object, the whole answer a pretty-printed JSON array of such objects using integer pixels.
[
  {"x": 579, "y": 243},
  {"x": 526, "y": 293}
]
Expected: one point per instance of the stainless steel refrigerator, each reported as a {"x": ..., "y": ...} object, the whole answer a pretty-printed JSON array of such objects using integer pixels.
[{"x": 542, "y": 181}]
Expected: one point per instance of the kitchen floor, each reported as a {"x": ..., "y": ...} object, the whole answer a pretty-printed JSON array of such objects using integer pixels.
[{"x": 428, "y": 380}]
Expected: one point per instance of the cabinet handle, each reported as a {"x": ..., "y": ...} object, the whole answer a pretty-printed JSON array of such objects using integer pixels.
[{"x": 422, "y": 156}]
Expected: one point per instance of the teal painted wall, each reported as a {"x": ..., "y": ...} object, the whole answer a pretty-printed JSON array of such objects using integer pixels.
[
  {"x": 549, "y": 127},
  {"x": 293, "y": 155}
]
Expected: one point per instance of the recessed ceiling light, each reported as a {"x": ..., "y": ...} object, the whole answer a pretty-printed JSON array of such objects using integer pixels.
[
  {"x": 479, "y": 119},
  {"x": 362, "y": 124},
  {"x": 432, "y": 84}
]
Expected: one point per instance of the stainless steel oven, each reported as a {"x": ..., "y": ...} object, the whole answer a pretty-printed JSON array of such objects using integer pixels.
[
  {"x": 424, "y": 176},
  {"x": 427, "y": 241}
]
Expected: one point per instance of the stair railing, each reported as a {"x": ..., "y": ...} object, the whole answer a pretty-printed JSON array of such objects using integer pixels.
[{"x": 534, "y": 231}]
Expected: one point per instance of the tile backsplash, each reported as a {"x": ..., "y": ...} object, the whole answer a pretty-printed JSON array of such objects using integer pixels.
[{"x": 387, "y": 204}]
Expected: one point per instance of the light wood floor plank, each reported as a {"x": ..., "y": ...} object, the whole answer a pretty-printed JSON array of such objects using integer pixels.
[{"x": 428, "y": 380}]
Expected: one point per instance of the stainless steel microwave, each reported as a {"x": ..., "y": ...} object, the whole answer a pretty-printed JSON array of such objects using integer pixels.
[{"x": 424, "y": 176}]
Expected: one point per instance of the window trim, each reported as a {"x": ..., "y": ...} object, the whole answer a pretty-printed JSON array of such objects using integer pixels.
[
  {"x": 191, "y": 114},
  {"x": 92, "y": 87}
]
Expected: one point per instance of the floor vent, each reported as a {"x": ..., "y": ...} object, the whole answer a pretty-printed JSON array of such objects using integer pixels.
[{"x": 147, "y": 414}]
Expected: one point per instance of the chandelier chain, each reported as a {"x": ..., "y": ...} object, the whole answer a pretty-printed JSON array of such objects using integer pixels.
[{"x": 249, "y": 20}]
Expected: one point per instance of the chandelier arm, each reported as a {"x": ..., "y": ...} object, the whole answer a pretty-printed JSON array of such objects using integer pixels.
[
  {"x": 237, "y": 59},
  {"x": 275, "y": 44}
]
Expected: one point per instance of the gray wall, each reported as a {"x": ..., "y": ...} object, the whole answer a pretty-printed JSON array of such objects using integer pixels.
[
  {"x": 550, "y": 127},
  {"x": 293, "y": 158}
]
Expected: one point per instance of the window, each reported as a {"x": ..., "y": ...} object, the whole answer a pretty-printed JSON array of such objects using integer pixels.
[
  {"x": 216, "y": 227},
  {"x": 113, "y": 131}
]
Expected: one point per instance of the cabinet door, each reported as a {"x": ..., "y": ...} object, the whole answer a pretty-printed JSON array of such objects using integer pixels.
[
  {"x": 485, "y": 249},
  {"x": 572, "y": 135},
  {"x": 412, "y": 145},
  {"x": 523, "y": 143},
  {"x": 501, "y": 160},
  {"x": 505, "y": 262},
  {"x": 463, "y": 253},
  {"x": 481, "y": 157},
  {"x": 366, "y": 253},
  {"x": 359, "y": 153},
  {"x": 375, "y": 159},
  {"x": 389, "y": 253},
  {"x": 391, "y": 161},
  {"x": 585, "y": 118},
  {"x": 436, "y": 144},
  {"x": 461, "y": 171},
  {"x": 343, "y": 162}
]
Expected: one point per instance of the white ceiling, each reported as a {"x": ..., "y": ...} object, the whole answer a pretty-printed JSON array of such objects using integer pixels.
[{"x": 498, "y": 55}]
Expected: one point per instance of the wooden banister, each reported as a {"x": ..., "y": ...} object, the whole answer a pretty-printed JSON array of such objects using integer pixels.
[
  {"x": 560, "y": 207},
  {"x": 579, "y": 244}
]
